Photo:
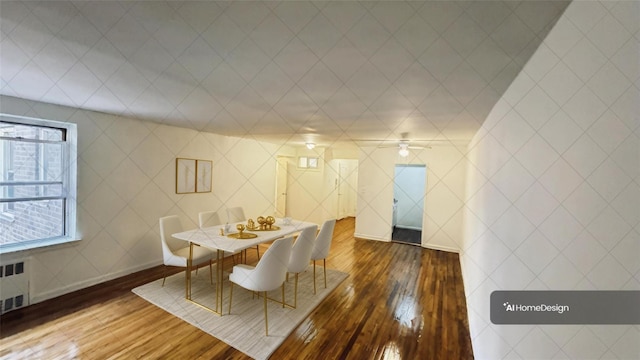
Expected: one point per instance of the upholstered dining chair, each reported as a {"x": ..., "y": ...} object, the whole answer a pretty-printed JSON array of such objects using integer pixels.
[
  {"x": 321, "y": 249},
  {"x": 300, "y": 256},
  {"x": 176, "y": 252},
  {"x": 209, "y": 219},
  {"x": 236, "y": 214},
  {"x": 267, "y": 275}
]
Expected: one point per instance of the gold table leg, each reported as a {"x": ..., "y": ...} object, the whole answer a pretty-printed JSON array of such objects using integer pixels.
[
  {"x": 187, "y": 294},
  {"x": 219, "y": 278}
]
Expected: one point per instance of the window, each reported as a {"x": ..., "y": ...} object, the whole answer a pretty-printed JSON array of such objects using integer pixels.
[
  {"x": 305, "y": 162},
  {"x": 37, "y": 183}
]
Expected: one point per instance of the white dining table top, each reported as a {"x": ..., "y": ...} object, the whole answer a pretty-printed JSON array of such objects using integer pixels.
[{"x": 210, "y": 237}]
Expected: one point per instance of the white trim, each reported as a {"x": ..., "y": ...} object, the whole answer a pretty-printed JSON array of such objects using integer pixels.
[
  {"x": 35, "y": 244},
  {"x": 370, "y": 237},
  {"x": 442, "y": 248}
]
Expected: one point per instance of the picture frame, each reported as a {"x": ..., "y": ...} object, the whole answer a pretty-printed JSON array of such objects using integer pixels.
[
  {"x": 204, "y": 170},
  {"x": 186, "y": 175}
]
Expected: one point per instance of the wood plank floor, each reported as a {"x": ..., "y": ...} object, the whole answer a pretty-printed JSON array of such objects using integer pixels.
[{"x": 399, "y": 302}]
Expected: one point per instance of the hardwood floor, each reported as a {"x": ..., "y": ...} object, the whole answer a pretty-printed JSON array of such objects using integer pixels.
[{"x": 399, "y": 302}]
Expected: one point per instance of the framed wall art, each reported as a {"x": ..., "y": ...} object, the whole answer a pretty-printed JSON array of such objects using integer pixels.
[
  {"x": 203, "y": 175},
  {"x": 193, "y": 176},
  {"x": 185, "y": 176}
]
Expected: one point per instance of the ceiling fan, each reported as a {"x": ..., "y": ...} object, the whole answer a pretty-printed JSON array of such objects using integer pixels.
[{"x": 403, "y": 144}]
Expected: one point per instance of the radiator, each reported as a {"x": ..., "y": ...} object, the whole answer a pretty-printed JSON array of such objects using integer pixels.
[{"x": 14, "y": 285}]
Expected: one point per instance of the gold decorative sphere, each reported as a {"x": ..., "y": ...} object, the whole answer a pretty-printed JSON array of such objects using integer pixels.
[
  {"x": 240, "y": 227},
  {"x": 260, "y": 220},
  {"x": 270, "y": 220}
]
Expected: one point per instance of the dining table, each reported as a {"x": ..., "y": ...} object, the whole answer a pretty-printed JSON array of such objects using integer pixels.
[{"x": 224, "y": 238}]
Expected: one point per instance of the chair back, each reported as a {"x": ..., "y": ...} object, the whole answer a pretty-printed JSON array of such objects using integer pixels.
[
  {"x": 301, "y": 251},
  {"x": 323, "y": 241},
  {"x": 170, "y": 225},
  {"x": 235, "y": 214},
  {"x": 208, "y": 219},
  {"x": 271, "y": 270}
]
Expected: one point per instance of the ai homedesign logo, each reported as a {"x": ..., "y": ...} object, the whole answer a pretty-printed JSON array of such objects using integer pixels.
[{"x": 536, "y": 308}]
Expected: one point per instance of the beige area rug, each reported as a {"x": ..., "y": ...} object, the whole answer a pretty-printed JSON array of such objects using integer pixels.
[{"x": 244, "y": 328}]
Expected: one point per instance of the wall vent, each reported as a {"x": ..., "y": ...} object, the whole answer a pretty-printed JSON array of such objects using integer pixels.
[{"x": 14, "y": 285}]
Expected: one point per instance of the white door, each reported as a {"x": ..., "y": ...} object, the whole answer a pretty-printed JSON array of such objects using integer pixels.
[
  {"x": 347, "y": 183},
  {"x": 343, "y": 195},
  {"x": 281, "y": 187}
]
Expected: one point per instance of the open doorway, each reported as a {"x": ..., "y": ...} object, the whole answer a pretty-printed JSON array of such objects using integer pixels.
[
  {"x": 347, "y": 185},
  {"x": 408, "y": 203}
]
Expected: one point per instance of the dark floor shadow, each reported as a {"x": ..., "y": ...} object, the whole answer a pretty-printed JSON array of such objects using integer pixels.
[{"x": 407, "y": 236}]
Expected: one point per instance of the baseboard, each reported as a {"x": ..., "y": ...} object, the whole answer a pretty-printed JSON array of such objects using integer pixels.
[
  {"x": 370, "y": 237},
  {"x": 442, "y": 248},
  {"x": 36, "y": 298}
]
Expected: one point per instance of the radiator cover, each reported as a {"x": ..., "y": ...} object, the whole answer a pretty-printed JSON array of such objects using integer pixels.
[{"x": 14, "y": 285}]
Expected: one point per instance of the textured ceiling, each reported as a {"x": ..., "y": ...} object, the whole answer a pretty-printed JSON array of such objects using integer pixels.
[{"x": 277, "y": 71}]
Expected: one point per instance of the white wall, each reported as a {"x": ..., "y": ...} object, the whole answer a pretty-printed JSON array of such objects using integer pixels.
[
  {"x": 305, "y": 188},
  {"x": 553, "y": 188},
  {"x": 409, "y": 188},
  {"x": 311, "y": 193},
  {"x": 126, "y": 181},
  {"x": 443, "y": 206}
]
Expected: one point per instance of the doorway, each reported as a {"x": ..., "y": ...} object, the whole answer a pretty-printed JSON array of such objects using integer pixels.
[
  {"x": 347, "y": 185},
  {"x": 409, "y": 188}
]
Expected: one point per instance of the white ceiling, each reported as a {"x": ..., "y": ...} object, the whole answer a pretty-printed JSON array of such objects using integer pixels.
[{"x": 277, "y": 71}]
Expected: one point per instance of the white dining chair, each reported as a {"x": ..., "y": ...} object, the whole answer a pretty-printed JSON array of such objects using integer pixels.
[
  {"x": 208, "y": 219},
  {"x": 211, "y": 218},
  {"x": 176, "y": 252},
  {"x": 267, "y": 275},
  {"x": 321, "y": 249},
  {"x": 236, "y": 215},
  {"x": 300, "y": 256}
]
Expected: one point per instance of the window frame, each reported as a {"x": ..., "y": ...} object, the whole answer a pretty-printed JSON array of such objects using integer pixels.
[
  {"x": 69, "y": 184},
  {"x": 308, "y": 162}
]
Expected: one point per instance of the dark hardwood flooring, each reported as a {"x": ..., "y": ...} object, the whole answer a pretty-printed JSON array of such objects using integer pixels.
[{"x": 399, "y": 302}]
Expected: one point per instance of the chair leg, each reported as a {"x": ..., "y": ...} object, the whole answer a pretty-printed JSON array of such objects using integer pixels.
[
  {"x": 165, "y": 275},
  {"x": 230, "y": 295},
  {"x": 266, "y": 319},
  {"x": 295, "y": 293},
  {"x": 324, "y": 264},
  {"x": 283, "y": 295},
  {"x": 314, "y": 277},
  {"x": 258, "y": 251}
]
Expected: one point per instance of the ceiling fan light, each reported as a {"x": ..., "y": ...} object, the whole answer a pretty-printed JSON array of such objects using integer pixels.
[{"x": 310, "y": 145}]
